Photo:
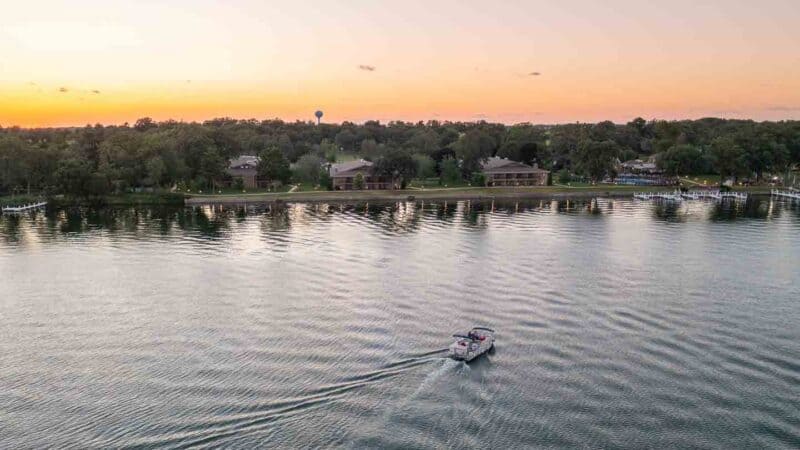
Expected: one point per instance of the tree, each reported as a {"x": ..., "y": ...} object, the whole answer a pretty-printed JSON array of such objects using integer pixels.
[
  {"x": 212, "y": 166},
  {"x": 73, "y": 176},
  {"x": 358, "y": 182},
  {"x": 728, "y": 158},
  {"x": 424, "y": 141},
  {"x": 346, "y": 140},
  {"x": 308, "y": 169},
  {"x": 684, "y": 159},
  {"x": 144, "y": 124},
  {"x": 273, "y": 165},
  {"x": 524, "y": 143},
  {"x": 596, "y": 159},
  {"x": 478, "y": 179},
  {"x": 473, "y": 149},
  {"x": 369, "y": 149},
  {"x": 196, "y": 154},
  {"x": 325, "y": 180},
  {"x": 155, "y": 170},
  {"x": 450, "y": 171},
  {"x": 328, "y": 150},
  {"x": 398, "y": 165},
  {"x": 426, "y": 166},
  {"x": 14, "y": 171},
  {"x": 564, "y": 176}
]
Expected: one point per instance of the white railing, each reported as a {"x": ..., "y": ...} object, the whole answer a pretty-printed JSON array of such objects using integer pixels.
[
  {"x": 24, "y": 207},
  {"x": 671, "y": 196},
  {"x": 794, "y": 195},
  {"x": 690, "y": 195}
]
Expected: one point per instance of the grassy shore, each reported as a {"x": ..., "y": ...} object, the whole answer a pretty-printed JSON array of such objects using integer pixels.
[
  {"x": 456, "y": 193},
  {"x": 143, "y": 199},
  {"x": 17, "y": 200},
  {"x": 461, "y": 193}
]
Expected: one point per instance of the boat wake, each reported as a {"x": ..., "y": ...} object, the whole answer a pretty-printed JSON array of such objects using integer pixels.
[{"x": 261, "y": 417}]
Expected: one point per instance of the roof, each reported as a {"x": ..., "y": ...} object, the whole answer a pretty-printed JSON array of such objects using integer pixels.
[
  {"x": 638, "y": 164},
  {"x": 244, "y": 162},
  {"x": 349, "y": 168},
  {"x": 504, "y": 165}
]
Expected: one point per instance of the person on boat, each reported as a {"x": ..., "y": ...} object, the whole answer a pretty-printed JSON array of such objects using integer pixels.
[{"x": 475, "y": 336}]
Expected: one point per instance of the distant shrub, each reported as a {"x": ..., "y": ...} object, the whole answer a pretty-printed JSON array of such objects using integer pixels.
[
  {"x": 478, "y": 179},
  {"x": 564, "y": 176}
]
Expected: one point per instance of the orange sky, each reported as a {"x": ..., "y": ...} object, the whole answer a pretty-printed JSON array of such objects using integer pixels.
[{"x": 87, "y": 61}]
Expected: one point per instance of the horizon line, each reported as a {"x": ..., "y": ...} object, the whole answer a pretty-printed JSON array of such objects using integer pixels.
[{"x": 386, "y": 122}]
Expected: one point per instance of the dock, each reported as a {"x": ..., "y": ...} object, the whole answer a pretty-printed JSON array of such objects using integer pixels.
[
  {"x": 790, "y": 194},
  {"x": 668, "y": 196},
  {"x": 23, "y": 208},
  {"x": 678, "y": 196}
]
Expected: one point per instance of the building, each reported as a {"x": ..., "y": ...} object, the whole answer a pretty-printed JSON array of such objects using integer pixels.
[
  {"x": 505, "y": 172},
  {"x": 246, "y": 168},
  {"x": 343, "y": 176},
  {"x": 641, "y": 173},
  {"x": 639, "y": 167}
]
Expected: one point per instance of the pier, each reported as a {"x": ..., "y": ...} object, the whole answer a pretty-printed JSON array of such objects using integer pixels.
[
  {"x": 790, "y": 194},
  {"x": 678, "y": 196},
  {"x": 668, "y": 196},
  {"x": 23, "y": 208}
]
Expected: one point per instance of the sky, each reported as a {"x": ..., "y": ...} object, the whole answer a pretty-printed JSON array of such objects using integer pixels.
[{"x": 99, "y": 61}]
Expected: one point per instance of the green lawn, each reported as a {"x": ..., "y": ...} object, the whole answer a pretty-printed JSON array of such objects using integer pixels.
[
  {"x": 231, "y": 191},
  {"x": 15, "y": 200},
  {"x": 433, "y": 183},
  {"x": 700, "y": 180}
]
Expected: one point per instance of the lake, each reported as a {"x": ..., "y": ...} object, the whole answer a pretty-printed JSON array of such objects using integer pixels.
[{"x": 619, "y": 324}]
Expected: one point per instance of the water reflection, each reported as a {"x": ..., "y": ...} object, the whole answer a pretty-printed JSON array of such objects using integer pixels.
[
  {"x": 755, "y": 208},
  {"x": 217, "y": 221}
]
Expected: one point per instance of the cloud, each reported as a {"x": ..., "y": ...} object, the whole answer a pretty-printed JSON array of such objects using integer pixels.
[
  {"x": 63, "y": 90},
  {"x": 366, "y": 68},
  {"x": 784, "y": 108},
  {"x": 480, "y": 116},
  {"x": 534, "y": 74}
]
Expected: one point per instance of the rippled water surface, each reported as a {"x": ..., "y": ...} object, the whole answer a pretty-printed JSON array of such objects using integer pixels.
[{"x": 619, "y": 324}]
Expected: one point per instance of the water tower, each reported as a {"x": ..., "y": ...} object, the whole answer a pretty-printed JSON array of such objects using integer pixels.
[{"x": 319, "y": 116}]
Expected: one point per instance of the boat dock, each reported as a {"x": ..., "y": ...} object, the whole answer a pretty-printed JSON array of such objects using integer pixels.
[
  {"x": 793, "y": 194},
  {"x": 23, "y": 208},
  {"x": 678, "y": 196},
  {"x": 669, "y": 196}
]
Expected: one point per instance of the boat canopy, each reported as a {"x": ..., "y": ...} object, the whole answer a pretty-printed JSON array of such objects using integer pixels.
[
  {"x": 483, "y": 328},
  {"x": 461, "y": 336}
]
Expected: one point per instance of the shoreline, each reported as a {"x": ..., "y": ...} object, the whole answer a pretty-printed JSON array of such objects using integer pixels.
[
  {"x": 518, "y": 193},
  {"x": 438, "y": 194}
]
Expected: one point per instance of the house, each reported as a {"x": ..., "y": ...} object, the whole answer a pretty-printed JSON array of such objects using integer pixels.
[
  {"x": 639, "y": 167},
  {"x": 505, "y": 172},
  {"x": 343, "y": 176},
  {"x": 641, "y": 173},
  {"x": 246, "y": 168}
]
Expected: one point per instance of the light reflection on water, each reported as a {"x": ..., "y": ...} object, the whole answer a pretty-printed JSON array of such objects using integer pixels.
[{"x": 620, "y": 323}]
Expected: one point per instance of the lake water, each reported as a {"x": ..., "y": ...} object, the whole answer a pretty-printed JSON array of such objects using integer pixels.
[{"x": 619, "y": 324}]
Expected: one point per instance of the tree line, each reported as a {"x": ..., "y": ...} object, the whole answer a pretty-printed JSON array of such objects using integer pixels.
[{"x": 99, "y": 160}]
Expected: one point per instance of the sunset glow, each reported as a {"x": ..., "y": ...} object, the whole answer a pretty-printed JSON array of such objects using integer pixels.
[{"x": 87, "y": 61}]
